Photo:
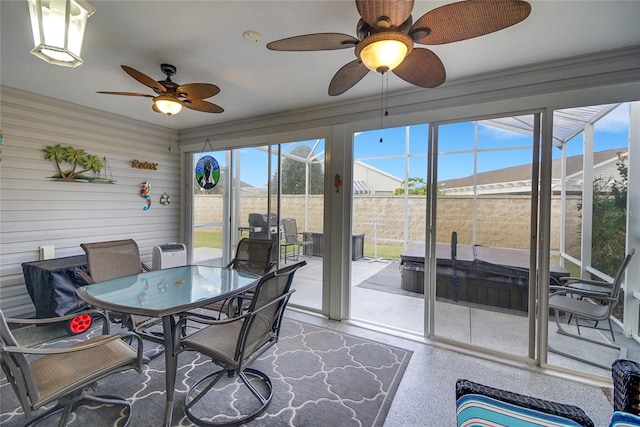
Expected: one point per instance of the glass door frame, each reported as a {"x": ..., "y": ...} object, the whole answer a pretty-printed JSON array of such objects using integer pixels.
[{"x": 539, "y": 243}]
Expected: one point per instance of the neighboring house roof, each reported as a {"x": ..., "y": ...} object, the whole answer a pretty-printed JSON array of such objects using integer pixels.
[
  {"x": 517, "y": 179},
  {"x": 373, "y": 180}
]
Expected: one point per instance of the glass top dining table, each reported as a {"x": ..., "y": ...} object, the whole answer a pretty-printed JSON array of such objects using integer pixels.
[{"x": 165, "y": 294}]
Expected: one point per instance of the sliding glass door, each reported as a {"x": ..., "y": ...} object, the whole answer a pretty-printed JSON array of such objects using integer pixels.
[
  {"x": 485, "y": 207},
  {"x": 389, "y": 204},
  {"x": 257, "y": 191}
]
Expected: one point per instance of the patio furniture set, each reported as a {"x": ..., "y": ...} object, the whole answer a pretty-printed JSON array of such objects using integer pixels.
[
  {"x": 115, "y": 281},
  {"x": 173, "y": 298}
]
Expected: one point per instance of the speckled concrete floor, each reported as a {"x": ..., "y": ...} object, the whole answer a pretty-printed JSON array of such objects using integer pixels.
[{"x": 426, "y": 395}]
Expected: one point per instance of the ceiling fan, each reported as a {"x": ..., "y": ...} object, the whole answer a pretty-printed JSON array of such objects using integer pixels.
[
  {"x": 386, "y": 36},
  {"x": 170, "y": 97}
]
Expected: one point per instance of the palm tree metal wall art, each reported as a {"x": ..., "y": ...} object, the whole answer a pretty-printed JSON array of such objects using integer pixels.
[{"x": 81, "y": 164}]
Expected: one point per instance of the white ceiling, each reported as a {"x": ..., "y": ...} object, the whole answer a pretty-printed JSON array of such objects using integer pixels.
[{"x": 204, "y": 39}]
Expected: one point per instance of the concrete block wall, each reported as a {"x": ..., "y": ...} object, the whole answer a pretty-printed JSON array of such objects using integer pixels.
[{"x": 501, "y": 220}]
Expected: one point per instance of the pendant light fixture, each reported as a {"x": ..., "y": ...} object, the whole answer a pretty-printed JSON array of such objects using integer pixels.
[{"x": 58, "y": 30}]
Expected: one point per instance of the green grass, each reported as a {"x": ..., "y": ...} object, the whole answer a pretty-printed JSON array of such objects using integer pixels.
[
  {"x": 383, "y": 251},
  {"x": 573, "y": 269},
  {"x": 207, "y": 239}
]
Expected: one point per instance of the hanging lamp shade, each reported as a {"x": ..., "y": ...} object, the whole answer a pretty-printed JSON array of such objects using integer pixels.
[{"x": 58, "y": 29}]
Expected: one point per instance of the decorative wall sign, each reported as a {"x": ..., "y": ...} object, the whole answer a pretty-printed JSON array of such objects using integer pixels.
[
  {"x": 144, "y": 165},
  {"x": 81, "y": 163},
  {"x": 146, "y": 193},
  {"x": 207, "y": 172}
]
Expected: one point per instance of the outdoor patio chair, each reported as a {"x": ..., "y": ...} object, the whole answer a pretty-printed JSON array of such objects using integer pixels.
[
  {"x": 233, "y": 344},
  {"x": 590, "y": 300},
  {"x": 481, "y": 405},
  {"x": 291, "y": 238},
  {"x": 253, "y": 256},
  {"x": 626, "y": 386},
  {"x": 111, "y": 260},
  {"x": 62, "y": 374}
]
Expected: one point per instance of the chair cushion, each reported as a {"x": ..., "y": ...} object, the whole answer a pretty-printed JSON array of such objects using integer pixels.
[
  {"x": 624, "y": 419},
  {"x": 479, "y": 410}
]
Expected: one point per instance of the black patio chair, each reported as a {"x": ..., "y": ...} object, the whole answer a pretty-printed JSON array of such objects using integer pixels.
[
  {"x": 252, "y": 256},
  {"x": 63, "y": 374},
  {"x": 118, "y": 258},
  {"x": 233, "y": 344}
]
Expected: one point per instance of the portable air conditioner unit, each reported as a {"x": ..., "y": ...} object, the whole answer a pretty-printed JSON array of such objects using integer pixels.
[{"x": 169, "y": 255}]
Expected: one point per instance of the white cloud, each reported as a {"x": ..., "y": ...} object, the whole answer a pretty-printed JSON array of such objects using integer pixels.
[{"x": 616, "y": 121}]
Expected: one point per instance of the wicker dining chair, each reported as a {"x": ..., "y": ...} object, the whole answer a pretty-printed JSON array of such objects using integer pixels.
[
  {"x": 626, "y": 386},
  {"x": 482, "y": 405}
]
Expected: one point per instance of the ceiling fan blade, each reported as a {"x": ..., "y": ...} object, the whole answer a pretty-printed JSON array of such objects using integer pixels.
[
  {"x": 193, "y": 91},
  {"x": 144, "y": 79},
  {"x": 384, "y": 14},
  {"x": 467, "y": 19},
  {"x": 318, "y": 41},
  {"x": 347, "y": 77},
  {"x": 127, "y": 94},
  {"x": 204, "y": 106},
  {"x": 422, "y": 68}
]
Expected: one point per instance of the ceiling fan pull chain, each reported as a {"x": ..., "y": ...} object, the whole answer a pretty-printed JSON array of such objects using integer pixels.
[
  {"x": 381, "y": 105},
  {"x": 386, "y": 95},
  {"x": 169, "y": 132}
]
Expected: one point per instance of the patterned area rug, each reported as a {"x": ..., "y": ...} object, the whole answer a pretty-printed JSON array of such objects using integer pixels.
[{"x": 320, "y": 378}]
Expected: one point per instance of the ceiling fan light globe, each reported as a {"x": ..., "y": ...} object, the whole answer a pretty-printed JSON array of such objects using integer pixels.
[
  {"x": 383, "y": 52},
  {"x": 167, "y": 105}
]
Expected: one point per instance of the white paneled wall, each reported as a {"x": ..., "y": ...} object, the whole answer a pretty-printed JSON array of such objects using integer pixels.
[{"x": 38, "y": 211}]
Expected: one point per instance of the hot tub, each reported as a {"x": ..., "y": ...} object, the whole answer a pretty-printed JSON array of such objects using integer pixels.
[{"x": 496, "y": 277}]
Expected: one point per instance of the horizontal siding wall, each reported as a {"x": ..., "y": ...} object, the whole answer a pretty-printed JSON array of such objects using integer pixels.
[{"x": 37, "y": 211}]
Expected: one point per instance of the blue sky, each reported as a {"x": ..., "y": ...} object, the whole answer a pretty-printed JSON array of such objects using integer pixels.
[
  {"x": 610, "y": 132},
  {"x": 507, "y": 149}
]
